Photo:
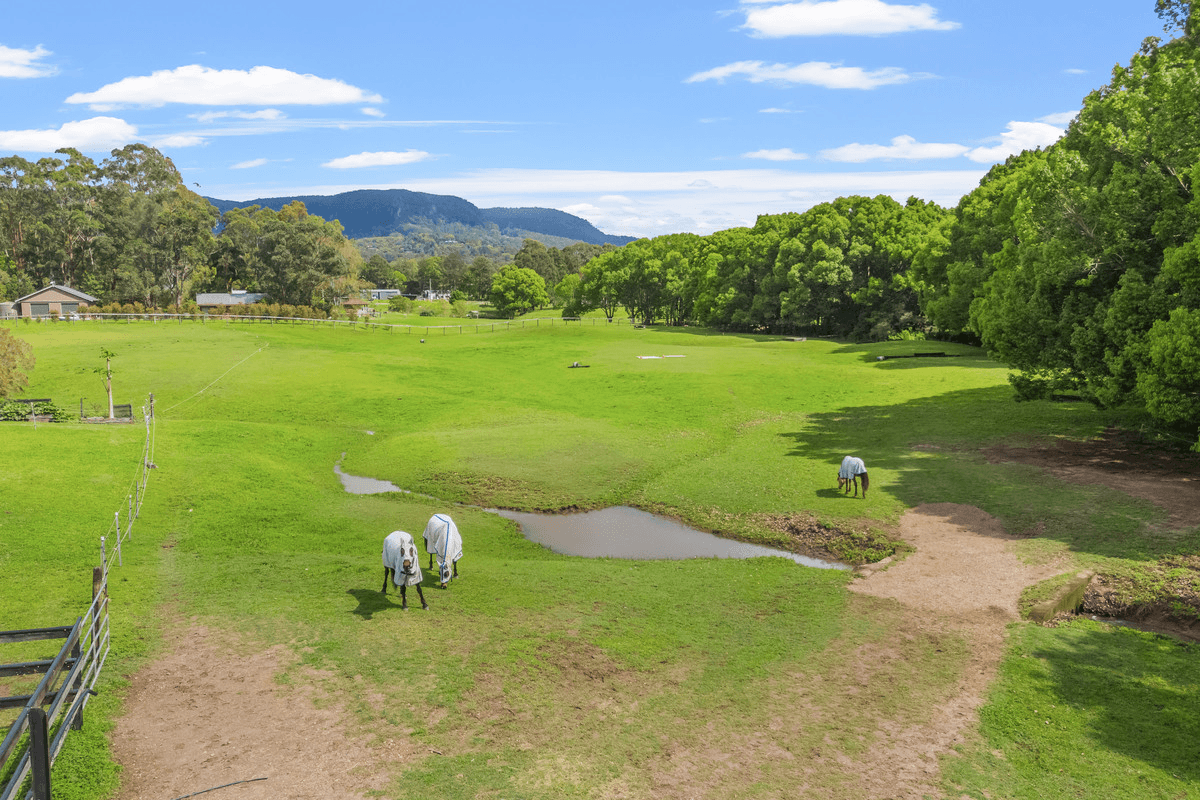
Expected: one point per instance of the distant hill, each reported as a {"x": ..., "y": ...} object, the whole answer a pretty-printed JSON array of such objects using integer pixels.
[{"x": 380, "y": 212}]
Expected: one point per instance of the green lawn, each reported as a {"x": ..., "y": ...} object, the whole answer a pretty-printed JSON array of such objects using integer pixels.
[{"x": 246, "y": 527}]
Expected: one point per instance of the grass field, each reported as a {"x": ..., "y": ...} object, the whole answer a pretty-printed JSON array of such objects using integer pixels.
[{"x": 246, "y": 528}]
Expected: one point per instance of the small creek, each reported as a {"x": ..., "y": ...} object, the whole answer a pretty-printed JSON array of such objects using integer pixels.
[{"x": 616, "y": 532}]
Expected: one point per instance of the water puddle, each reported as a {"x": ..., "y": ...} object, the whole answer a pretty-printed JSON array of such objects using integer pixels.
[
  {"x": 624, "y": 532},
  {"x": 616, "y": 532},
  {"x": 355, "y": 484}
]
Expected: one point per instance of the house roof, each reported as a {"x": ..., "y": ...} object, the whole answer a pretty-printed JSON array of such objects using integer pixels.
[
  {"x": 226, "y": 299},
  {"x": 87, "y": 298}
]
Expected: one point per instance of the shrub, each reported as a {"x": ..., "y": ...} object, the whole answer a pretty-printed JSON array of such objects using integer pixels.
[
  {"x": 11, "y": 411},
  {"x": 906, "y": 336},
  {"x": 1043, "y": 384}
]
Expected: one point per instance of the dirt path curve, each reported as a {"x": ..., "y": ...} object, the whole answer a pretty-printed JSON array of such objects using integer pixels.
[{"x": 965, "y": 577}]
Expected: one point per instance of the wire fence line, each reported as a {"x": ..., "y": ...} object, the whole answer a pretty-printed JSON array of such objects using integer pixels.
[
  {"x": 219, "y": 377},
  {"x": 55, "y": 707},
  {"x": 118, "y": 532},
  {"x": 388, "y": 327}
]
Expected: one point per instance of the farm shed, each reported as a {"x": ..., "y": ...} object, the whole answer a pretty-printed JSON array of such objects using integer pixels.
[
  {"x": 218, "y": 300},
  {"x": 53, "y": 299},
  {"x": 355, "y": 305}
]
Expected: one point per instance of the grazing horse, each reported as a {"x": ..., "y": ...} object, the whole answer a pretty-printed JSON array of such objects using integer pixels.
[
  {"x": 853, "y": 467},
  {"x": 401, "y": 562},
  {"x": 442, "y": 538}
]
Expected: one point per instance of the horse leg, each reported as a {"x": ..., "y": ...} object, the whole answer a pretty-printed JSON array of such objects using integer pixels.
[
  {"x": 856, "y": 486},
  {"x": 421, "y": 595},
  {"x": 455, "y": 565},
  {"x": 386, "y": 570}
]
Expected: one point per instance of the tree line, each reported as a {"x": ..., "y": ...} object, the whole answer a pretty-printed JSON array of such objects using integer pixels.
[{"x": 128, "y": 230}]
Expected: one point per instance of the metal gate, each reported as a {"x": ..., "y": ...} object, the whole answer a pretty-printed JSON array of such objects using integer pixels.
[{"x": 56, "y": 705}]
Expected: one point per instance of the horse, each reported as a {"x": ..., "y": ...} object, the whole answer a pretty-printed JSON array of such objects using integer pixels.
[
  {"x": 401, "y": 563},
  {"x": 852, "y": 467},
  {"x": 442, "y": 537}
]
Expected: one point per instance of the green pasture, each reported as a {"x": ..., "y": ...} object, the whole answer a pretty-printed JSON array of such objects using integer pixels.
[{"x": 534, "y": 660}]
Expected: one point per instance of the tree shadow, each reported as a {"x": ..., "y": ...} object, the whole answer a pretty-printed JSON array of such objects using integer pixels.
[
  {"x": 1137, "y": 691},
  {"x": 934, "y": 450},
  {"x": 902, "y": 355},
  {"x": 712, "y": 333},
  {"x": 371, "y": 601}
]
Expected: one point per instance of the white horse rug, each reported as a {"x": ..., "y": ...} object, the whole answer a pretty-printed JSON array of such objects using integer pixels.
[
  {"x": 399, "y": 547},
  {"x": 443, "y": 540}
]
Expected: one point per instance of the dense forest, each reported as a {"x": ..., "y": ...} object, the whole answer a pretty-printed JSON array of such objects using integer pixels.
[{"x": 1078, "y": 265}]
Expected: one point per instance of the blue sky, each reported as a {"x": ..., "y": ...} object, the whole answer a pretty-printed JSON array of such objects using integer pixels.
[{"x": 644, "y": 117}]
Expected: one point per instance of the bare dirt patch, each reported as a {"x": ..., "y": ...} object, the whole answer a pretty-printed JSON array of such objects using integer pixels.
[
  {"x": 1123, "y": 461},
  {"x": 963, "y": 577},
  {"x": 207, "y": 714}
]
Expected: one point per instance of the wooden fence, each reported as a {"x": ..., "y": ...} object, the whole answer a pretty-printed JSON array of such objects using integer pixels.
[
  {"x": 56, "y": 706},
  {"x": 385, "y": 327}
]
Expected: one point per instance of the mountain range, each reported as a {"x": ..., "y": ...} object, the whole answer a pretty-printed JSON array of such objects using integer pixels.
[{"x": 379, "y": 212}]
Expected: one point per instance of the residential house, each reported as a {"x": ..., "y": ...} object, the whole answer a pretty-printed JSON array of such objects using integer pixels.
[
  {"x": 216, "y": 301},
  {"x": 53, "y": 300}
]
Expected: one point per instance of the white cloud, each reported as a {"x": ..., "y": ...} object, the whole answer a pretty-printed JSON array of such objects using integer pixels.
[
  {"x": 199, "y": 85},
  {"x": 17, "y": 63},
  {"x": 905, "y": 147},
  {"x": 777, "y": 111},
  {"x": 655, "y": 203},
  {"x": 1075, "y": 71},
  {"x": 255, "y": 162},
  {"x": 782, "y": 154},
  {"x": 89, "y": 135},
  {"x": 384, "y": 159},
  {"x": 814, "y": 73},
  {"x": 179, "y": 140},
  {"x": 373, "y": 112},
  {"x": 1019, "y": 136},
  {"x": 269, "y": 114},
  {"x": 848, "y": 17},
  {"x": 1061, "y": 118}
]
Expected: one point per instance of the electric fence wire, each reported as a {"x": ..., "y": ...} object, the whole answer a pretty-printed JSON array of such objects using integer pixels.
[
  {"x": 222, "y": 375},
  {"x": 136, "y": 489}
]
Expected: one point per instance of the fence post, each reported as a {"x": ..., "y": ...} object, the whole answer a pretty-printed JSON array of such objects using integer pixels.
[
  {"x": 117, "y": 518},
  {"x": 103, "y": 557},
  {"x": 39, "y": 753},
  {"x": 76, "y": 652}
]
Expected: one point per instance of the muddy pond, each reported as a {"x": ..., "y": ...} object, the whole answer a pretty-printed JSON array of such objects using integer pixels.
[{"x": 616, "y": 532}]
